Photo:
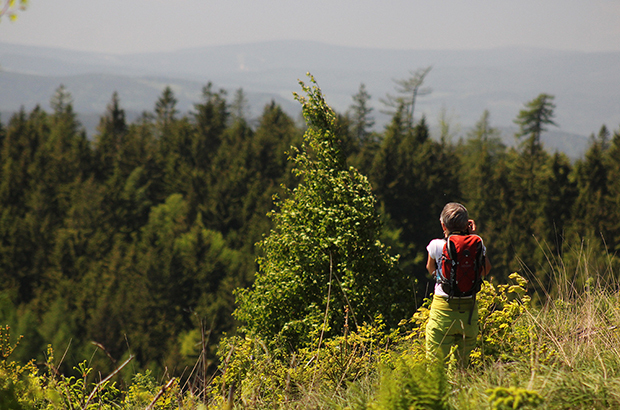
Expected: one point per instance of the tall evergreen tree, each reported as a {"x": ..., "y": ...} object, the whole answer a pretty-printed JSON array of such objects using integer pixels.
[
  {"x": 23, "y": 139},
  {"x": 269, "y": 169},
  {"x": 480, "y": 180},
  {"x": 409, "y": 89},
  {"x": 591, "y": 177},
  {"x": 531, "y": 172},
  {"x": 414, "y": 177},
  {"x": 229, "y": 180},
  {"x": 240, "y": 106},
  {"x": 533, "y": 121},
  {"x": 211, "y": 119},
  {"x": 109, "y": 141},
  {"x": 361, "y": 115},
  {"x": 165, "y": 109},
  {"x": 612, "y": 164}
]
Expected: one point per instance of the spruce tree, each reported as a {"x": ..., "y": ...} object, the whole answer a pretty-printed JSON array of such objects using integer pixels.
[
  {"x": 409, "y": 89},
  {"x": 612, "y": 163},
  {"x": 361, "y": 116},
  {"x": 110, "y": 138},
  {"x": 210, "y": 119},
  {"x": 533, "y": 121}
]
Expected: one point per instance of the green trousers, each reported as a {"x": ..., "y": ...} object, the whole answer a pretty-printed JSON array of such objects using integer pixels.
[{"x": 449, "y": 325}]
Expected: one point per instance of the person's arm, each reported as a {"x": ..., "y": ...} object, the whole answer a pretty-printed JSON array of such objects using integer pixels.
[
  {"x": 431, "y": 265},
  {"x": 487, "y": 267}
]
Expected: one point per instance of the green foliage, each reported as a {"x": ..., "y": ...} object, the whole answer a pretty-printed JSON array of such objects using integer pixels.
[
  {"x": 503, "y": 335},
  {"x": 20, "y": 387},
  {"x": 360, "y": 114},
  {"x": 78, "y": 393},
  {"x": 323, "y": 256},
  {"x": 133, "y": 242},
  {"x": 138, "y": 240},
  {"x": 534, "y": 119},
  {"x": 145, "y": 392},
  {"x": 412, "y": 385},
  {"x": 510, "y": 398},
  {"x": 264, "y": 376},
  {"x": 413, "y": 177}
]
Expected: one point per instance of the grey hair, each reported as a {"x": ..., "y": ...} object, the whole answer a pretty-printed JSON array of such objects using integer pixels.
[{"x": 455, "y": 217}]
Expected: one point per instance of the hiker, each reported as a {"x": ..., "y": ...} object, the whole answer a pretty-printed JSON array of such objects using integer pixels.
[{"x": 453, "y": 317}]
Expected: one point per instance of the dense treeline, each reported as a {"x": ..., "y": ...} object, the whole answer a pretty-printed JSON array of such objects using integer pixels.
[{"x": 136, "y": 239}]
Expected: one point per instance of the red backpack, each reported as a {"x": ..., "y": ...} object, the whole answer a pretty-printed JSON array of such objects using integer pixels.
[{"x": 461, "y": 265}]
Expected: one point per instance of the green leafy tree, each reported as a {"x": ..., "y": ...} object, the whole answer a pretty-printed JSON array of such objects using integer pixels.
[
  {"x": 323, "y": 258},
  {"x": 154, "y": 295}
]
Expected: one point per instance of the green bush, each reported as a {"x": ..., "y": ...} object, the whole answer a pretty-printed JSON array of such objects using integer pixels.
[{"x": 20, "y": 387}]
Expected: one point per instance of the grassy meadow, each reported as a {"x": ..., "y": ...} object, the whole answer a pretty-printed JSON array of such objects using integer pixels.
[{"x": 559, "y": 352}]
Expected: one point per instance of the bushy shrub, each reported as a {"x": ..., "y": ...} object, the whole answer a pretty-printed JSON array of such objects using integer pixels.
[
  {"x": 20, "y": 387},
  {"x": 503, "y": 336},
  {"x": 271, "y": 376}
]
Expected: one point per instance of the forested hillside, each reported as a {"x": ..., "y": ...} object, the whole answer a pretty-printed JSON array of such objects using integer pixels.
[{"x": 134, "y": 242}]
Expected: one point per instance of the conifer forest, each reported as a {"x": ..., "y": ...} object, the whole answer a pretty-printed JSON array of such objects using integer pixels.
[{"x": 204, "y": 259}]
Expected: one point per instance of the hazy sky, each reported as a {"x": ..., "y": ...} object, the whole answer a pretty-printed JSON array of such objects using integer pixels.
[{"x": 125, "y": 26}]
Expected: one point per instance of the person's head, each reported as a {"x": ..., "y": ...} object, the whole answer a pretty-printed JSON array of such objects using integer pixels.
[{"x": 454, "y": 218}]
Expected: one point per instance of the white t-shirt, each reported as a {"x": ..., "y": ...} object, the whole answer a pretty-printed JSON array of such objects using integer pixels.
[{"x": 435, "y": 250}]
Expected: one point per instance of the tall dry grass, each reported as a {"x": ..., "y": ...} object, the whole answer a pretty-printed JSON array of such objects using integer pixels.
[{"x": 573, "y": 329}]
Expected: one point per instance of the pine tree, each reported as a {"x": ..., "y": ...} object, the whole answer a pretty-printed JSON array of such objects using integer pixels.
[
  {"x": 481, "y": 181},
  {"x": 532, "y": 171},
  {"x": 533, "y": 121},
  {"x": 240, "y": 106},
  {"x": 409, "y": 90},
  {"x": 211, "y": 119},
  {"x": 612, "y": 164},
  {"x": 228, "y": 182},
  {"x": 165, "y": 109},
  {"x": 268, "y": 169},
  {"x": 414, "y": 177},
  {"x": 24, "y": 136},
  {"x": 109, "y": 141},
  {"x": 591, "y": 207},
  {"x": 361, "y": 116}
]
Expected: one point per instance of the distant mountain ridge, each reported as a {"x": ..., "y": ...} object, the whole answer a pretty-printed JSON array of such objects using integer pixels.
[{"x": 464, "y": 83}]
